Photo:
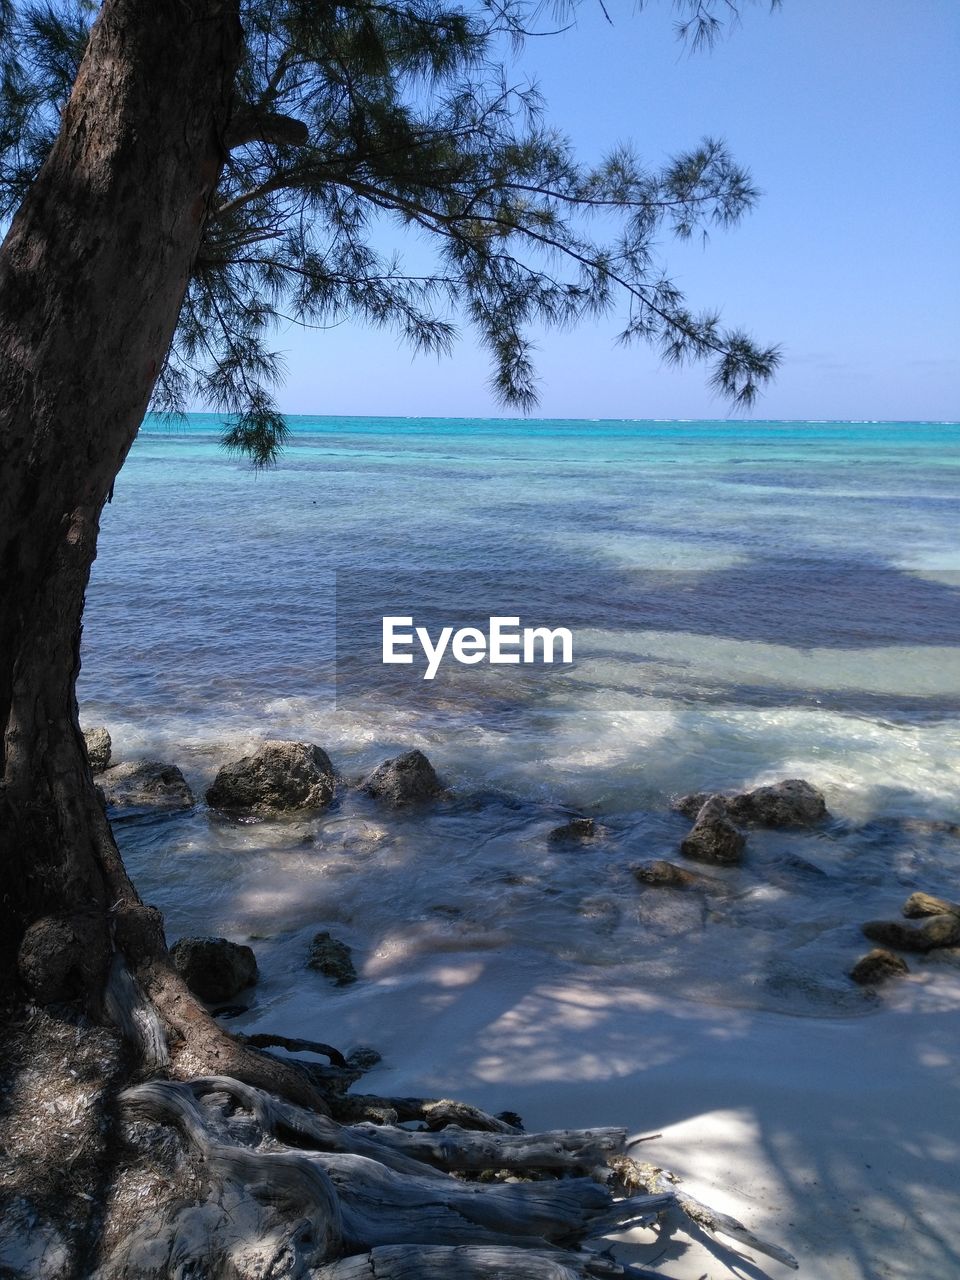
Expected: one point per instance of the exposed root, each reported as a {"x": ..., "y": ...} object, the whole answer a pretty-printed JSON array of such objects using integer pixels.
[
  {"x": 359, "y": 1190},
  {"x": 651, "y": 1179},
  {"x": 401, "y": 1262},
  {"x": 217, "y": 1178},
  {"x": 154, "y": 1009},
  {"x": 296, "y": 1046}
]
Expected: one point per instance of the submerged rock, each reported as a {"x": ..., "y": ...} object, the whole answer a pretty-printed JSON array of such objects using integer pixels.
[
  {"x": 691, "y": 805},
  {"x": 803, "y": 867},
  {"x": 146, "y": 783},
  {"x": 925, "y": 904},
  {"x": 215, "y": 969},
  {"x": 807, "y": 990},
  {"x": 577, "y": 829},
  {"x": 349, "y": 836},
  {"x": 406, "y": 779},
  {"x": 330, "y": 956},
  {"x": 666, "y": 874},
  {"x": 363, "y": 1058},
  {"x": 99, "y": 746},
  {"x": 933, "y": 931},
  {"x": 278, "y": 777},
  {"x": 604, "y": 913},
  {"x": 929, "y": 826},
  {"x": 714, "y": 838},
  {"x": 878, "y": 966},
  {"x": 791, "y": 803}
]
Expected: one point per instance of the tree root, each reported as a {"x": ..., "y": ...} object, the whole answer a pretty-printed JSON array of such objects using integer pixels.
[
  {"x": 287, "y": 1190},
  {"x": 295, "y": 1046},
  {"x": 217, "y": 1178},
  {"x": 274, "y": 1209},
  {"x": 170, "y": 1030},
  {"x": 438, "y": 1262},
  {"x": 649, "y": 1178}
]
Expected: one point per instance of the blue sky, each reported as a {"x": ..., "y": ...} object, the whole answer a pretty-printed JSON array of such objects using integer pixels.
[{"x": 847, "y": 113}]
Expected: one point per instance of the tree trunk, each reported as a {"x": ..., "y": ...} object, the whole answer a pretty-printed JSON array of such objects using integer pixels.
[{"x": 92, "y": 276}]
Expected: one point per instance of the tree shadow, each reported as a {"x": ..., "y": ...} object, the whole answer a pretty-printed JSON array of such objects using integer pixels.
[{"x": 818, "y": 1133}]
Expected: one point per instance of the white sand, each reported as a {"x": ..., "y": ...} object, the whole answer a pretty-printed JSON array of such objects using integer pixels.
[{"x": 838, "y": 1139}]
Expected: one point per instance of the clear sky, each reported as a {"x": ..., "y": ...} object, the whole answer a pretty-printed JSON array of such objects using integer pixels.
[{"x": 847, "y": 113}]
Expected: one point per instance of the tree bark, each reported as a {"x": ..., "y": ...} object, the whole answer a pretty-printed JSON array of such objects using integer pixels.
[{"x": 92, "y": 277}]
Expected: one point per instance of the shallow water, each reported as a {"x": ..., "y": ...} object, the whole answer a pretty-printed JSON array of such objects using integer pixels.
[{"x": 749, "y": 601}]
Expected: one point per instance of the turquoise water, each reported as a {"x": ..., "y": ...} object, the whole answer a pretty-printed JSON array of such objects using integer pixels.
[{"x": 749, "y": 601}]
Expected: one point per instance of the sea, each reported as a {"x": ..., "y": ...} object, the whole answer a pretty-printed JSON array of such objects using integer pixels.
[{"x": 748, "y": 601}]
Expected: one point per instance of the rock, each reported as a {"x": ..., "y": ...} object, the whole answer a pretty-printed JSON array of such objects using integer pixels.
[
  {"x": 32, "y": 1245},
  {"x": 666, "y": 874},
  {"x": 278, "y": 777},
  {"x": 714, "y": 838},
  {"x": 573, "y": 831},
  {"x": 215, "y": 969},
  {"x": 99, "y": 747},
  {"x": 146, "y": 783},
  {"x": 924, "y": 904},
  {"x": 934, "y": 931},
  {"x": 349, "y": 835},
  {"x": 602, "y": 911},
  {"x": 690, "y": 805},
  {"x": 364, "y": 1058},
  {"x": 50, "y": 961},
  {"x": 406, "y": 779},
  {"x": 330, "y": 956},
  {"x": 878, "y": 966},
  {"x": 929, "y": 826},
  {"x": 804, "y": 868},
  {"x": 791, "y": 803}
]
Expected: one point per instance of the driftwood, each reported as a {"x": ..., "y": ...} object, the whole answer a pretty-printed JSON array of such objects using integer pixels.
[
  {"x": 440, "y": 1263},
  {"x": 713, "y": 1221},
  {"x": 287, "y": 1192}
]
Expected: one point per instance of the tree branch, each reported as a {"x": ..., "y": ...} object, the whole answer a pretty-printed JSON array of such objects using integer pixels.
[{"x": 255, "y": 126}]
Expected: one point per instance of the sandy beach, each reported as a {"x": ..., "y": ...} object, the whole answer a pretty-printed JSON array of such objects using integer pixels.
[{"x": 837, "y": 1139}]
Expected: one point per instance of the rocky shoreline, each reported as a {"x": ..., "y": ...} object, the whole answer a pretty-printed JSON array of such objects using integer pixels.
[{"x": 288, "y": 778}]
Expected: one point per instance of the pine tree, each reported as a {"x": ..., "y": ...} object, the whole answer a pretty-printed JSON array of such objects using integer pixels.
[
  {"x": 347, "y": 116},
  {"x": 177, "y": 176}
]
